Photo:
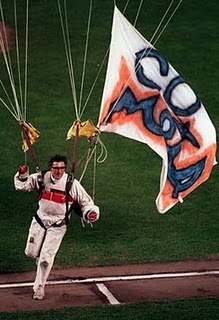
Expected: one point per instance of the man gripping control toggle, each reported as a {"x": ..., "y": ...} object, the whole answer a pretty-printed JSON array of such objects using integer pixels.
[{"x": 57, "y": 196}]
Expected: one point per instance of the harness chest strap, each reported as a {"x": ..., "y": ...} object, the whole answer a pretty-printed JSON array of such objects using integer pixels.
[{"x": 58, "y": 197}]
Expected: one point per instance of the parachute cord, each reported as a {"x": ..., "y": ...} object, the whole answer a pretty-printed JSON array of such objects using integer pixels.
[
  {"x": 138, "y": 64},
  {"x": 161, "y": 21},
  {"x": 126, "y": 5},
  {"x": 23, "y": 100},
  {"x": 18, "y": 56},
  {"x": 95, "y": 81},
  {"x": 101, "y": 67},
  {"x": 81, "y": 159},
  {"x": 93, "y": 148},
  {"x": 168, "y": 21},
  {"x": 103, "y": 153},
  {"x": 7, "y": 59},
  {"x": 138, "y": 12},
  {"x": 25, "y": 158},
  {"x": 99, "y": 70},
  {"x": 71, "y": 63},
  {"x": 89, "y": 156},
  {"x": 85, "y": 57},
  {"x": 13, "y": 114},
  {"x": 12, "y": 110},
  {"x": 26, "y": 56},
  {"x": 94, "y": 173},
  {"x": 67, "y": 46}
]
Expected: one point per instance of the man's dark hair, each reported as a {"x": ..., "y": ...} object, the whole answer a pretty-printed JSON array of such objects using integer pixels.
[{"x": 57, "y": 158}]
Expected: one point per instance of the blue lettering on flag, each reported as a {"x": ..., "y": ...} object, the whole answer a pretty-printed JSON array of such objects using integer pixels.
[{"x": 182, "y": 178}]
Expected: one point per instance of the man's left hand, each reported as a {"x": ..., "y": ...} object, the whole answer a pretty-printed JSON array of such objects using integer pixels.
[{"x": 92, "y": 216}]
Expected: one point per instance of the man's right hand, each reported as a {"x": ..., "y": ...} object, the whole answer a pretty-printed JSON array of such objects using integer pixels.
[
  {"x": 23, "y": 169},
  {"x": 23, "y": 172}
]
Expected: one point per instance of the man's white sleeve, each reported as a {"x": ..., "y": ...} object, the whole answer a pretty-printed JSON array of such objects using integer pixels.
[
  {"x": 83, "y": 198},
  {"x": 29, "y": 184}
]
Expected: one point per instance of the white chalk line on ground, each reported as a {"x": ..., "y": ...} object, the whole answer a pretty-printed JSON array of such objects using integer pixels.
[
  {"x": 107, "y": 293},
  {"x": 116, "y": 278}
]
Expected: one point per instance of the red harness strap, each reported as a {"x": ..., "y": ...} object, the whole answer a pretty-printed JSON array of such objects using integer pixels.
[{"x": 57, "y": 197}]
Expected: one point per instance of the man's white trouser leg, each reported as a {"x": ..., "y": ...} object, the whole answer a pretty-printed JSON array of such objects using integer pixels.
[{"x": 48, "y": 252}]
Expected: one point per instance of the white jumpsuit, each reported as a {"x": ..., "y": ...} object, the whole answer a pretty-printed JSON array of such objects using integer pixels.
[{"x": 43, "y": 244}]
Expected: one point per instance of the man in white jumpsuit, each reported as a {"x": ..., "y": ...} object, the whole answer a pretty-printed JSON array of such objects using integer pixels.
[{"x": 50, "y": 222}]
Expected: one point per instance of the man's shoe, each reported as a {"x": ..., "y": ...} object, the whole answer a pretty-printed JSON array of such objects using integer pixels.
[{"x": 39, "y": 293}]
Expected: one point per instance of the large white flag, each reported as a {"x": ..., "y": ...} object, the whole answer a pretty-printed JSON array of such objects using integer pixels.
[{"x": 145, "y": 99}]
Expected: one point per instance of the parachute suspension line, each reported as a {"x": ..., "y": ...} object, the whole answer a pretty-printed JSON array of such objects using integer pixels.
[
  {"x": 89, "y": 157},
  {"x": 102, "y": 63},
  {"x": 103, "y": 153},
  {"x": 26, "y": 55},
  {"x": 161, "y": 32},
  {"x": 67, "y": 46},
  {"x": 18, "y": 57},
  {"x": 99, "y": 70},
  {"x": 138, "y": 12},
  {"x": 6, "y": 55},
  {"x": 71, "y": 70},
  {"x": 94, "y": 173},
  {"x": 100, "y": 159},
  {"x": 12, "y": 109},
  {"x": 138, "y": 64},
  {"x": 157, "y": 29},
  {"x": 23, "y": 96},
  {"x": 17, "y": 109},
  {"x": 16, "y": 97},
  {"x": 126, "y": 5},
  {"x": 85, "y": 58},
  {"x": 161, "y": 21},
  {"x": 95, "y": 81},
  {"x": 166, "y": 24}
]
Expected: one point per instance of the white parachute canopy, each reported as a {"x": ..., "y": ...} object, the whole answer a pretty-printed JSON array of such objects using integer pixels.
[{"x": 146, "y": 99}]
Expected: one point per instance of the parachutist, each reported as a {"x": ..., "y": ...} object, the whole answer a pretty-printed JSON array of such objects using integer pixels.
[{"x": 59, "y": 193}]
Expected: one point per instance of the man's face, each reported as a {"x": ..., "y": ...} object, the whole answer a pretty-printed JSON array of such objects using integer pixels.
[{"x": 58, "y": 169}]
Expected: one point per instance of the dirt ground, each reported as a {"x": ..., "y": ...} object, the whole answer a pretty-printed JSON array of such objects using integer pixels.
[{"x": 123, "y": 284}]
